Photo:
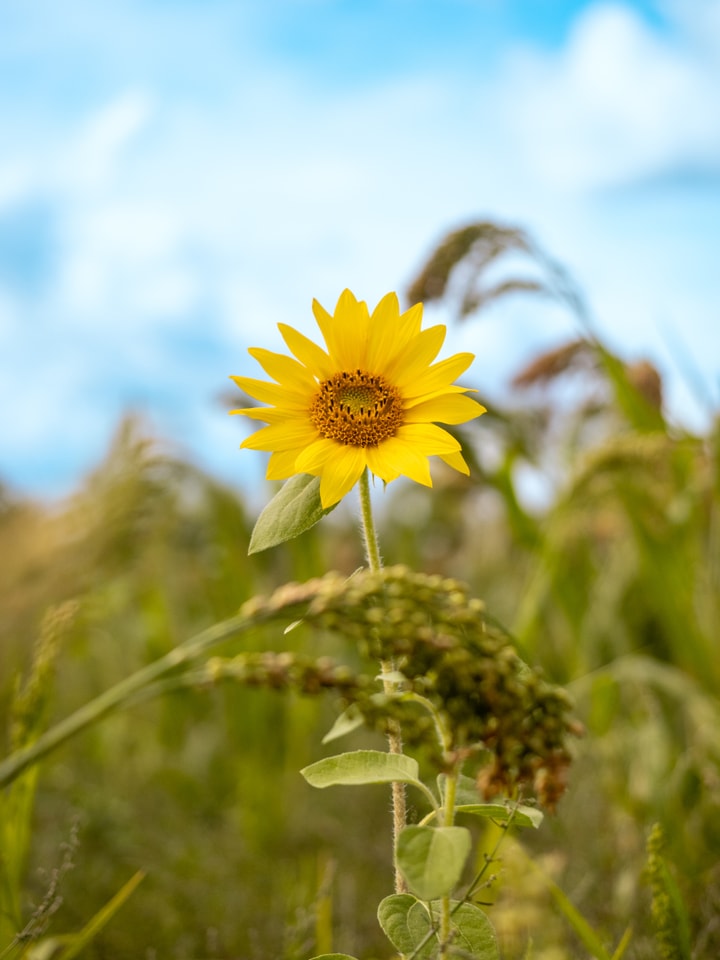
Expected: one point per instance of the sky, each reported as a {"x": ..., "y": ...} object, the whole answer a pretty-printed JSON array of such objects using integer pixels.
[{"x": 178, "y": 177}]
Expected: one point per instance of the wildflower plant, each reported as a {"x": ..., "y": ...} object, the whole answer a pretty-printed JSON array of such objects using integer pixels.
[{"x": 450, "y": 681}]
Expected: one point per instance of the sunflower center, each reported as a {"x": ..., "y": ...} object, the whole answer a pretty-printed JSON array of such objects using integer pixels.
[{"x": 357, "y": 409}]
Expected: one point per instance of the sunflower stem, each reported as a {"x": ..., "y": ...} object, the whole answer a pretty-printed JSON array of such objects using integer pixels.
[
  {"x": 370, "y": 540},
  {"x": 372, "y": 554}
]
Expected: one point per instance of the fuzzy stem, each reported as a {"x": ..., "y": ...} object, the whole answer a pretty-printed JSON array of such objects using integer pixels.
[
  {"x": 372, "y": 553},
  {"x": 372, "y": 550}
]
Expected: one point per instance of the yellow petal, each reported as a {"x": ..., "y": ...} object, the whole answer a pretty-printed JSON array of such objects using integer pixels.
[
  {"x": 427, "y": 438},
  {"x": 341, "y": 473},
  {"x": 456, "y": 461},
  {"x": 413, "y": 362},
  {"x": 307, "y": 352},
  {"x": 397, "y": 456},
  {"x": 314, "y": 457},
  {"x": 281, "y": 464},
  {"x": 272, "y": 393},
  {"x": 384, "y": 460},
  {"x": 390, "y": 333},
  {"x": 346, "y": 332},
  {"x": 439, "y": 375},
  {"x": 409, "y": 403},
  {"x": 282, "y": 436},
  {"x": 285, "y": 370},
  {"x": 268, "y": 414},
  {"x": 446, "y": 408},
  {"x": 413, "y": 317}
]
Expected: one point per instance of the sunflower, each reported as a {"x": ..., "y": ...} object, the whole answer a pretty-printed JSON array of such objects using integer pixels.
[{"x": 370, "y": 400}]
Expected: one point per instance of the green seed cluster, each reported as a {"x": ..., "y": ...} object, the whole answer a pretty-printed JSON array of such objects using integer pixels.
[
  {"x": 443, "y": 643},
  {"x": 285, "y": 671},
  {"x": 449, "y": 652}
]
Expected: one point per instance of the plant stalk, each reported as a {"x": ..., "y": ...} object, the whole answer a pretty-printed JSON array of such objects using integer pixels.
[{"x": 372, "y": 554}]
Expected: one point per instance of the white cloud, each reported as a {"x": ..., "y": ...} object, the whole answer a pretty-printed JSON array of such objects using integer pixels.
[
  {"x": 91, "y": 159},
  {"x": 621, "y": 102}
]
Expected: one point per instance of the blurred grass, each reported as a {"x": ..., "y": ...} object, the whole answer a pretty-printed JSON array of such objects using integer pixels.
[{"x": 611, "y": 582}]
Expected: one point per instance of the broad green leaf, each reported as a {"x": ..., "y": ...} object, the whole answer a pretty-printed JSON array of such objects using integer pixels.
[
  {"x": 294, "y": 509},
  {"x": 520, "y": 816},
  {"x": 467, "y": 801},
  {"x": 348, "y": 721},
  {"x": 432, "y": 858},
  {"x": 473, "y": 936},
  {"x": 419, "y": 925},
  {"x": 393, "y": 918},
  {"x": 362, "y": 766},
  {"x": 472, "y": 932}
]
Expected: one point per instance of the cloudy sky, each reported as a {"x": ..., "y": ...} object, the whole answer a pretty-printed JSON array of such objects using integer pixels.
[{"x": 177, "y": 177}]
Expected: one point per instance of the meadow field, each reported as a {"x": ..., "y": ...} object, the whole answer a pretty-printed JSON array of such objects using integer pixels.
[{"x": 184, "y": 801}]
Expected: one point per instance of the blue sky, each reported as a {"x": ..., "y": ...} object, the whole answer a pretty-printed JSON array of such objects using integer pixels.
[{"x": 177, "y": 177}]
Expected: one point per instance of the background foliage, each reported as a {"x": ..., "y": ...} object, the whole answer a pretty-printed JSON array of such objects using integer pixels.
[{"x": 608, "y": 577}]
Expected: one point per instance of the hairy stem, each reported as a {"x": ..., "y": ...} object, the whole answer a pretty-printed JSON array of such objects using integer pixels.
[{"x": 372, "y": 554}]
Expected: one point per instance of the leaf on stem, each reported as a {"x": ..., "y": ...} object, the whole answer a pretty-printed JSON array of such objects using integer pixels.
[
  {"x": 393, "y": 915},
  {"x": 361, "y": 767},
  {"x": 432, "y": 858},
  {"x": 408, "y": 924},
  {"x": 293, "y": 510},
  {"x": 472, "y": 932},
  {"x": 507, "y": 811},
  {"x": 520, "y": 816}
]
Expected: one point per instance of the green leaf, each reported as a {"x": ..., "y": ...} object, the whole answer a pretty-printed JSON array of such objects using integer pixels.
[
  {"x": 420, "y": 929},
  {"x": 292, "y": 511},
  {"x": 473, "y": 935},
  {"x": 472, "y": 932},
  {"x": 348, "y": 721},
  {"x": 432, "y": 858},
  {"x": 362, "y": 766},
  {"x": 520, "y": 816},
  {"x": 466, "y": 801},
  {"x": 393, "y": 918}
]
